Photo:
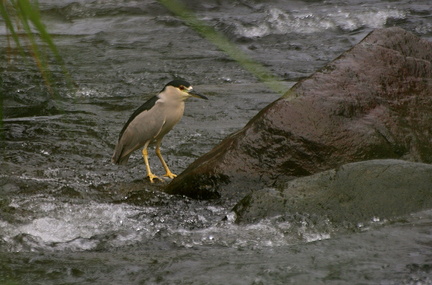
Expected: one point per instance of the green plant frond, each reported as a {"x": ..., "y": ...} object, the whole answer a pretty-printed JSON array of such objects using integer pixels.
[
  {"x": 31, "y": 13},
  {"x": 24, "y": 15},
  {"x": 224, "y": 44},
  {"x": 9, "y": 25}
]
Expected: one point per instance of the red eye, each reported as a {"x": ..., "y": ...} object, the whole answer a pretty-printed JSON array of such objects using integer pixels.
[{"x": 181, "y": 87}]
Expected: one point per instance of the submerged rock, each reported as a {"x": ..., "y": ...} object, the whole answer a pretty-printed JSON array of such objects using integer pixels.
[
  {"x": 373, "y": 102},
  {"x": 355, "y": 192}
]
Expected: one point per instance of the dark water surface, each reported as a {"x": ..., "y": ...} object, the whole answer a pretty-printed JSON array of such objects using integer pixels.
[{"x": 68, "y": 216}]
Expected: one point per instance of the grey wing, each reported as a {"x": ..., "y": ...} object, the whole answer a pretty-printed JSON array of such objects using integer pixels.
[
  {"x": 144, "y": 107},
  {"x": 142, "y": 127}
]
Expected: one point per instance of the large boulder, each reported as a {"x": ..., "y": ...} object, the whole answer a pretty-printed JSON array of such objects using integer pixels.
[
  {"x": 354, "y": 193},
  {"x": 374, "y": 101}
]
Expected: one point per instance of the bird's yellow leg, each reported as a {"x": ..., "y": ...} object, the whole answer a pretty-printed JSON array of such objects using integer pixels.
[
  {"x": 150, "y": 175},
  {"x": 165, "y": 166}
]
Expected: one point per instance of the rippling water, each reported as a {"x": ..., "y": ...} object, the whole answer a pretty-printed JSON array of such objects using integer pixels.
[{"x": 67, "y": 215}]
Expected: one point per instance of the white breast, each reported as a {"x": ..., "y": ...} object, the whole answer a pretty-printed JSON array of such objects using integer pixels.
[{"x": 172, "y": 113}]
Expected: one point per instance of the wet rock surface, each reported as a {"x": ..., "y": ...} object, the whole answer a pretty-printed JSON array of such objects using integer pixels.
[
  {"x": 372, "y": 102},
  {"x": 354, "y": 193}
]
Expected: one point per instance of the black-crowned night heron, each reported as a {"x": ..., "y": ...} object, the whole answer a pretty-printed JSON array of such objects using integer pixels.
[{"x": 151, "y": 122}]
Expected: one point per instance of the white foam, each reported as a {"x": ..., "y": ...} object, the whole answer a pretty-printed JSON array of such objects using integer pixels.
[
  {"x": 277, "y": 21},
  {"x": 65, "y": 223},
  {"x": 56, "y": 225}
]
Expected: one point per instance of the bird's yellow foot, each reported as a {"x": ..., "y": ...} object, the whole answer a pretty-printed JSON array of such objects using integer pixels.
[
  {"x": 169, "y": 174},
  {"x": 151, "y": 177}
]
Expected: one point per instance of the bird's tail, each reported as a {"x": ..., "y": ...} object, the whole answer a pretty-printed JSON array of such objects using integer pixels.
[{"x": 117, "y": 157}]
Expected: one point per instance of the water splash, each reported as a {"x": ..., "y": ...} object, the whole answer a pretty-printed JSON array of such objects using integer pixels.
[
  {"x": 48, "y": 224},
  {"x": 277, "y": 21}
]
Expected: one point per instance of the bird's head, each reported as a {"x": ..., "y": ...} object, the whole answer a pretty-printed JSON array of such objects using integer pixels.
[{"x": 181, "y": 88}]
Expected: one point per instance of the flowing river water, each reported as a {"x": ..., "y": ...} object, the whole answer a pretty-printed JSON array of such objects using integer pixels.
[{"x": 68, "y": 216}]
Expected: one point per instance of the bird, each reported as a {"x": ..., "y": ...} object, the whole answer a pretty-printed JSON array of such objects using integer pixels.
[{"x": 151, "y": 122}]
